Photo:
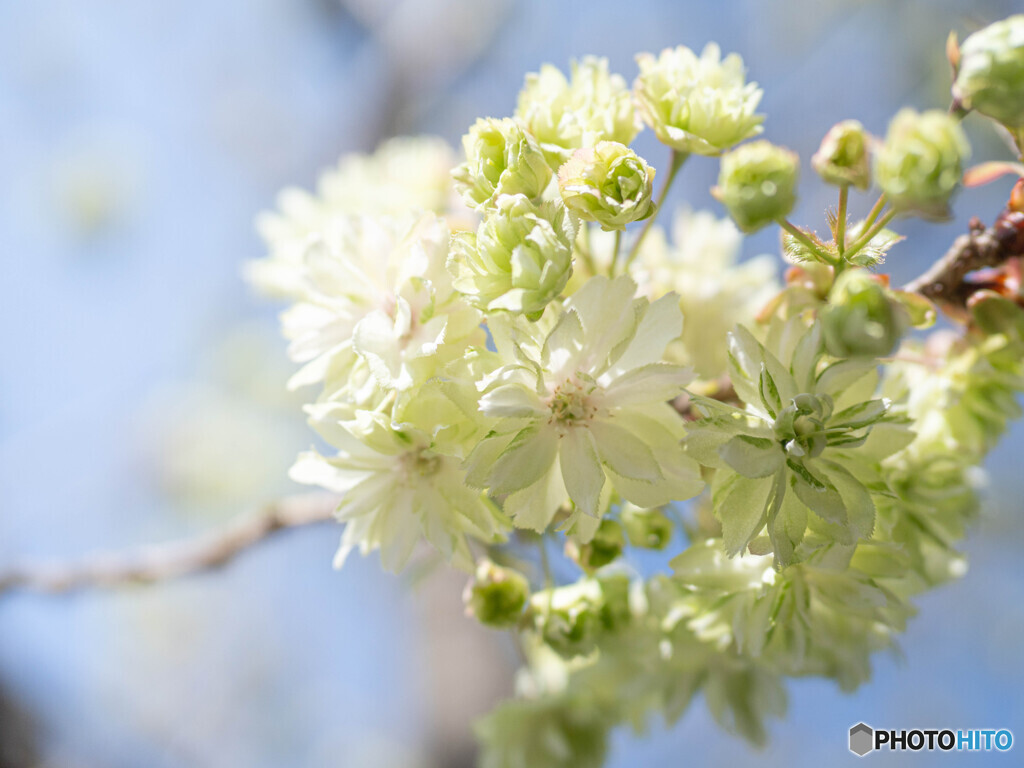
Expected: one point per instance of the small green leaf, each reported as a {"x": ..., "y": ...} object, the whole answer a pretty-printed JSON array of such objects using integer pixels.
[
  {"x": 752, "y": 456},
  {"x": 861, "y": 415},
  {"x": 820, "y": 496},
  {"x": 740, "y": 507}
]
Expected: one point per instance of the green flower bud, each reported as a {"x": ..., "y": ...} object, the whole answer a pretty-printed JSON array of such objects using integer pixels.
[
  {"x": 646, "y": 528},
  {"x": 757, "y": 184},
  {"x": 496, "y": 596},
  {"x": 501, "y": 159},
  {"x": 990, "y": 77},
  {"x": 697, "y": 105},
  {"x": 920, "y": 163},
  {"x": 565, "y": 115},
  {"x": 843, "y": 158},
  {"x": 606, "y": 546},
  {"x": 860, "y": 318},
  {"x": 519, "y": 259},
  {"x": 616, "y": 611},
  {"x": 568, "y": 618},
  {"x": 609, "y": 184}
]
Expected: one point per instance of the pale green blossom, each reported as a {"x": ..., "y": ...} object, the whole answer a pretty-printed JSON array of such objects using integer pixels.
[
  {"x": 700, "y": 105},
  {"x": 519, "y": 259},
  {"x": 590, "y": 106},
  {"x": 584, "y": 403},
  {"x": 607, "y": 183},
  {"x": 377, "y": 289},
  {"x": 798, "y": 455},
  {"x": 501, "y": 159},
  {"x": 400, "y": 483},
  {"x": 404, "y": 175}
]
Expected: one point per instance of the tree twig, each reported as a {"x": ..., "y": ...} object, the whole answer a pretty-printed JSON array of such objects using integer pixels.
[
  {"x": 168, "y": 561},
  {"x": 981, "y": 247},
  {"x": 724, "y": 392}
]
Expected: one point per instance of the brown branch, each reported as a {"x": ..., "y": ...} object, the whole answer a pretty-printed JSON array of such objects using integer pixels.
[
  {"x": 945, "y": 281},
  {"x": 724, "y": 392},
  {"x": 168, "y": 561}
]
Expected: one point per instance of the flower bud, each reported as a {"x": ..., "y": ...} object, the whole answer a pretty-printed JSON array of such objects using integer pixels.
[
  {"x": 606, "y": 546},
  {"x": 568, "y": 618},
  {"x": 843, "y": 158},
  {"x": 920, "y": 163},
  {"x": 609, "y": 184},
  {"x": 496, "y": 596},
  {"x": 565, "y": 115},
  {"x": 757, "y": 184},
  {"x": 519, "y": 259},
  {"x": 501, "y": 159},
  {"x": 860, "y": 319},
  {"x": 697, "y": 105},
  {"x": 646, "y": 528},
  {"x": 990, "y": 77},
  {"x": 616, "y": 610}
]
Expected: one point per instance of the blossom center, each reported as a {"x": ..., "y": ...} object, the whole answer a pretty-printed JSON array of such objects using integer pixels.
[
  {"x": 420, "y": 463},
  {"x": 572, "y": 404}
]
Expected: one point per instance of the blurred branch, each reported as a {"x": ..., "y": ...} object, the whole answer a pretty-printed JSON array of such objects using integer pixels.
[
  {"x": 723, "y": 392},
  {"x": 145, "y": 565},
  {"x": 945, "y": 281}
]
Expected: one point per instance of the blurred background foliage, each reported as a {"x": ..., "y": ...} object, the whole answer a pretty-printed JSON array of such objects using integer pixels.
[{"x": 142, "y": 387}]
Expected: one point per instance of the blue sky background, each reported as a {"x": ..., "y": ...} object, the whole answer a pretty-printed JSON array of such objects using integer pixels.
[{"x": 137, "y": 141}]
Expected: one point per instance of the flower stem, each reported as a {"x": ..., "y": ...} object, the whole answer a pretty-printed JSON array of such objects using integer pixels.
[
  {"x": 678, "y": 158},
  {"x": 875, "y": 210},
  {"x": 870, "y": 232},
  {"x": 586, "y": 256},
  {"x": 545, "y": 563},
  {"x": 840, "y": 233}
]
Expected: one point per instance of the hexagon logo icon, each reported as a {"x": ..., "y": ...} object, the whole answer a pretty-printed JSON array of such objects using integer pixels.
[{"x": 862, "y": 739}]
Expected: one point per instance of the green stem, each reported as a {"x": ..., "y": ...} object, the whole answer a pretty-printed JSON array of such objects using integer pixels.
[
  {"x": 873, "y": 213},
  {"x": 545, "y": 564},
  {"x": 678, "y": 158},
  {"x": 810, "y": 244},
  {"x": 844, "y": 192},
  {"x": 615, "y": 254},
  {"x": 584, "y": 251}
]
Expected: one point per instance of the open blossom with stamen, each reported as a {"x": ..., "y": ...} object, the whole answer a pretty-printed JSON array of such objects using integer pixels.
[
  {"x": 584, "y": 408},
  {"x": 399, "y": 483},
  {"x": 376, "y": 289}
]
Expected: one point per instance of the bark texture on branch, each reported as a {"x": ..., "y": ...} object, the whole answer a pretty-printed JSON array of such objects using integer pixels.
[
  {"x": 945, "y": 282},
  {"x": 167, "y": 561}
]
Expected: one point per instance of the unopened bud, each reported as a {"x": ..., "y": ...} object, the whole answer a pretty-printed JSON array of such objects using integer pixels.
[
  {"x": 843, "y": 159},
  {"x": 606, "y": 545},
  {"x": 757, "y": 184},
  {"x": 646, "y": 528},
  {"x": 860, "y": 319},
  {"x": 990, "y": 73},
  {"x": 496, "y": 595}
]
